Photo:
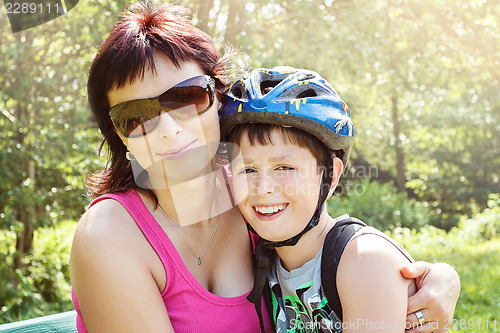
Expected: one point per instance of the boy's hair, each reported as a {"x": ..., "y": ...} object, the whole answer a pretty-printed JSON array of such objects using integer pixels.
[{"x": 260, "y": 134}]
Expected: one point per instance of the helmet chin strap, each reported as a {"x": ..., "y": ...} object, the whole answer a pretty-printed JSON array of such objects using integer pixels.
[
  {"x": 293, "y": 240},
  {"x": 326, "y": 181}
]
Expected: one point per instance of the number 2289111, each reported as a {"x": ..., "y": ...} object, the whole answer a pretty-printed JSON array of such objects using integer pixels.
[{"x": 34, "y": 8}]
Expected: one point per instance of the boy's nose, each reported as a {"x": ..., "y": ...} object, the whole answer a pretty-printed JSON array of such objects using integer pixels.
[
  {"x": 168, "y": 127},
  {"x": 264, "y": 184}
]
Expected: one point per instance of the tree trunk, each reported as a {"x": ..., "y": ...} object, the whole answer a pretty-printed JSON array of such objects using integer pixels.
[
  {"x": 204, "y": 15},
  {"x": 26, "y": 209},
  {"x": 400, "y": 169},
  {"x": 25, "y": 214},
  {"x": 24, "y": 238},
  {"x": 232, "y": 20}
]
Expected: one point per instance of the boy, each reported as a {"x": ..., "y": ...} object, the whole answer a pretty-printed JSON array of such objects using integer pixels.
[{"x": 295, "y": 134}]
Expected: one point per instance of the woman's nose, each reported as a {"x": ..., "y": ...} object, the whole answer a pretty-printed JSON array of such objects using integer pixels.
[{"x": 168, "y": 127}]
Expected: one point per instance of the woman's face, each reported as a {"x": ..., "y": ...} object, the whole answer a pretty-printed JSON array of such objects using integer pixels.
[{"x": 180, "y": 149}]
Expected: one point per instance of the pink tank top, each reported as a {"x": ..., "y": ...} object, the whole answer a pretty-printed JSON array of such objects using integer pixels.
[{"x": 191, "y": 307}]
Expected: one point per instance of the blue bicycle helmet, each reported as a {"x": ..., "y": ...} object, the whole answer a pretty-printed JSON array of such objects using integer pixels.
[
  {"x": 290, "y": 97},
  {"x": 297, "y": 98}
]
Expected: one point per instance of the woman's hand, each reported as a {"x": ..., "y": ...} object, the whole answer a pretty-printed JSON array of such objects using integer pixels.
[{"x": 438, "y": 290}]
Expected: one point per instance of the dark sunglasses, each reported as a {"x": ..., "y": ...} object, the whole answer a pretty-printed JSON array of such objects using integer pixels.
[{"x": 185, "y": 100}]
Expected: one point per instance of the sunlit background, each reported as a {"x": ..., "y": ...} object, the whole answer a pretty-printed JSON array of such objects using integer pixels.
[{"x": 421, "y": 78}]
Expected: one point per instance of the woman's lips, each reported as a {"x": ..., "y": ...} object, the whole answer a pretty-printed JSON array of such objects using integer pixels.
[{"x": 175, "y": 154}]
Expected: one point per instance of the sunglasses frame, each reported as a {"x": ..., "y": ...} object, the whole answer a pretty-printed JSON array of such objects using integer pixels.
[{"x": 117, "y": 112}]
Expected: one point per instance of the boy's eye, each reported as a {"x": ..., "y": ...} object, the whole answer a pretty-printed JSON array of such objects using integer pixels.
[
  {"x": 285, "y": 168},
  {"x": 247, "y": 170}
]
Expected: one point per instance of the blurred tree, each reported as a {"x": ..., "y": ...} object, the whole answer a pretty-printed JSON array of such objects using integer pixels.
[
  {"x": 420, "y": 76},
  {"x": 47, "y": 143}
]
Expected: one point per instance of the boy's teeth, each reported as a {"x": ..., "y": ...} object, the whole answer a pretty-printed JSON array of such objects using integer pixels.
[{"x": 269, "y": 209}]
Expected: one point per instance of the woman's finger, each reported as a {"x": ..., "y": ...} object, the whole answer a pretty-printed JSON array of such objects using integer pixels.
[
  {"x": 417, "y": 318},
  {"x": 421, "y": 300},
  {"x": 415, "y": 270}
]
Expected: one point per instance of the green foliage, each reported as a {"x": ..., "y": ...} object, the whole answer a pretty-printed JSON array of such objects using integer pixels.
[
  {"x": 379, "y": 205},
  {"x": 477, "y": 262},
  {"x": 44, "y": 287},
  {"x": 482, "y": 226},
  {"x": 479, "y": 269},
  {"x": 46, "y": 141},
  {"x": 485, "y": 224},
  {"x": 50, "y": 261},
  {"x": 473, "y": 249}
]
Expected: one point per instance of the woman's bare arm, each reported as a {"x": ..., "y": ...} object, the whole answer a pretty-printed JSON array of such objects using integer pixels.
[{"x": 111, "y": 273}]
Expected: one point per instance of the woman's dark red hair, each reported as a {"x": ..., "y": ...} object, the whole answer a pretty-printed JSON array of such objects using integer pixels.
[{"x": 146, "y": 27}]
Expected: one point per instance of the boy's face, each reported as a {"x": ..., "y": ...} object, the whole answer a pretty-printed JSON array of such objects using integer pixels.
[{"x": 276, "y": 186}]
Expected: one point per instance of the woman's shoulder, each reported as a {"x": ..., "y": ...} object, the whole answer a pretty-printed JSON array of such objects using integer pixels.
[
  {"x": 108, "y": 244},
  {"x": 106, "y": 235},
  {"x": 105, "y": 226},
  {"x": 104, "y": 216}
]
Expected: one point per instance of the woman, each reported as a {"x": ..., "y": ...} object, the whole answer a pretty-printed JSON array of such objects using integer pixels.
[{"x": 170, "y": 251}]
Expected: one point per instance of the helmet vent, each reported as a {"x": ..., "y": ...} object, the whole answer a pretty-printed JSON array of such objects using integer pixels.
[
  {"x": 307, "y": 93},
  {"x": 302, "y": 91},
  {"x": 239, "y": 91},
  {"x": 305, "y": 76},
  {"x": 267, "y": 86}
]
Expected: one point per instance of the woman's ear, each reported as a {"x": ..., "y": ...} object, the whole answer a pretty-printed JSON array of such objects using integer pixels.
[{"x": 338, "y": 168}]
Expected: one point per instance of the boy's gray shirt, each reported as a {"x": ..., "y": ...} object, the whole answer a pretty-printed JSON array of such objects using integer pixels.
[{"x": 301, "y": 298}]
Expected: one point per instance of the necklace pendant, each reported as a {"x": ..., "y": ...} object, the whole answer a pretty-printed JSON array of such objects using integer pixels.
[{"x": 213, "y": 234}]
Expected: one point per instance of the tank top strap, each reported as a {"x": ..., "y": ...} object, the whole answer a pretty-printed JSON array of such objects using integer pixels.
[
  {"x": 132, "y": 202},
  {"x": 134, "y": 205}
]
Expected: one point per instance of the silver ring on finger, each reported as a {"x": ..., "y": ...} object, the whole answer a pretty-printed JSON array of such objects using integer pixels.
[{"x": 420, "y": 317}]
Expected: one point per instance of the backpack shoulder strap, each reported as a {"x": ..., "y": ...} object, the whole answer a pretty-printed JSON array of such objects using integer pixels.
[{"x": 335, "y": 243}]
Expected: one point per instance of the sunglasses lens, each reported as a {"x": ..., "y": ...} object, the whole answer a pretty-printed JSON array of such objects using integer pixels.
[
  {"x": 186, "y": 102},
  {"x": 134, "y": 127},
  {"x": 135, "y": 118}
]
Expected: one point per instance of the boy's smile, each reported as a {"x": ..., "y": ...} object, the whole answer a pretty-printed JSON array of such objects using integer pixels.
[
  {"x": 270, "y": 212},
  {"x": 276, "y": 186}
]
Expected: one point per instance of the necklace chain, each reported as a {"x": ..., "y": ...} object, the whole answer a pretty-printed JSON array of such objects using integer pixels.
[{"x": 213, "y": 234}]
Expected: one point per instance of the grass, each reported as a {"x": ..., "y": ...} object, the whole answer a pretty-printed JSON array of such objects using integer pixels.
[{"x": 478, "y": 265}]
